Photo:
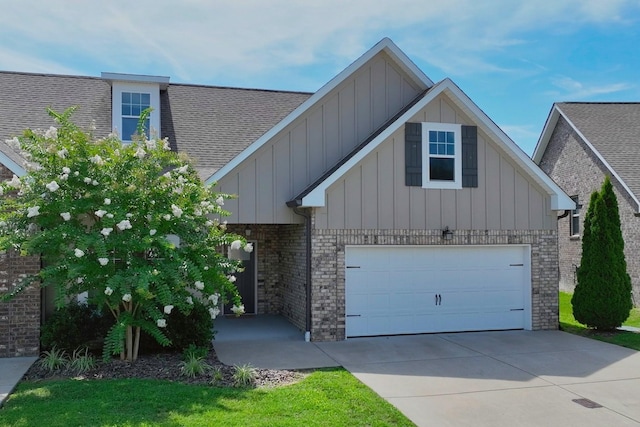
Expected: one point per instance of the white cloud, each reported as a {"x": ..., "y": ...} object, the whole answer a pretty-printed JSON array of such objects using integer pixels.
[{"x": 573, "y": 90}]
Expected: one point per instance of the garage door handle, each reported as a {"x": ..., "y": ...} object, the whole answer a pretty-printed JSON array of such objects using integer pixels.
[
  {"x": 354, "y": 315},
  {"x": 438, "y": 299},
  {"x": 517, "y": 309}
]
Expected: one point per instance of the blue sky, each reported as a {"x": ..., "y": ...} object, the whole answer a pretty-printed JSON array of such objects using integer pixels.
[{"x": 513, "y": 58}]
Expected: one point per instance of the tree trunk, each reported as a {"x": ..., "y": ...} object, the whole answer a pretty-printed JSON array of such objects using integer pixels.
[
  {"x": 136, "y": 344},
  {"x": 129, "y": 343}
]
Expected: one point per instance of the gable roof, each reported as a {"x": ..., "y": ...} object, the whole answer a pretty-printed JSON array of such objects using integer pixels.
[
  {"x": 385, "y": 45},
  {"x": 210, "y": 123},
  {"x": 610, "y": 130},
  {"x": 314, "y": 196}
]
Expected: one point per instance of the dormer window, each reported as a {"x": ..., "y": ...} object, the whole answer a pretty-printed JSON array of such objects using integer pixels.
[{"x": 130, "y": 95}]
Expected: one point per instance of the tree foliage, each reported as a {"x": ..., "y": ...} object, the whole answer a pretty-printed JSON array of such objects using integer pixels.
[
  {"x": 602, "y": 297},
  {"x": 105, "y": 217}
]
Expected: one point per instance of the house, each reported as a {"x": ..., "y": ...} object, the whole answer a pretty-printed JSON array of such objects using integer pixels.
[
  {"x": 580, "y": 144},
  {"x": 382, "y": 204}
]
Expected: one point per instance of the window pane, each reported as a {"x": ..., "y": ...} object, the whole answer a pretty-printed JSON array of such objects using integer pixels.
[
  {"x": 441, "y": 136},
  {"x": 442, "y": 149},
  {"x": 126, "y": 97},
  {"x": 145, "y": 99},
  {"x": 128, "y": 128},
  {"x": 135, "y": 110},
  {"x": 126, "y": 109},
  {"x": 135, "y": 98},
  {"x": 441, "y": 169},
  {"x": 433, "y": 148},
  {"x": 433, "y": 136},
  {"x": 450, "y": 149},
  {"x": 450, "y": 137}
]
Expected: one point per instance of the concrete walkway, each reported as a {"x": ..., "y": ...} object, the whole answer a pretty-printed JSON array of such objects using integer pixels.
[{"x": 11, "y": 371}]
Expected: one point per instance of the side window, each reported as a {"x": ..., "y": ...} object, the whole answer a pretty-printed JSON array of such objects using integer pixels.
[
  {"x": 574, "y": 222},
  {"x": 133, "y": 104},
  {"x": 442, "y": 151}
]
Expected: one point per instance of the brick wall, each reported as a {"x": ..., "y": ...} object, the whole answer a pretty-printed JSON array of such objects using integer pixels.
[
  {"x": 293, "y": 273},
  {"x": 574, "y": 167},
  {"x": 328, "y": 282},
  {"x": 20, "y": 317}
]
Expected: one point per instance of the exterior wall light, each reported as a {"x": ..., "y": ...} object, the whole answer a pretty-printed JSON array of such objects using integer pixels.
[{"x": 447, "y": 234}]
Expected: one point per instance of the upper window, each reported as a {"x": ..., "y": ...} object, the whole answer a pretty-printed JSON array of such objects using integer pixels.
[
  {"x": 574, "y": 223},
  {"x": 442, "y": 155},
  {"x": 133, "y": 104}
]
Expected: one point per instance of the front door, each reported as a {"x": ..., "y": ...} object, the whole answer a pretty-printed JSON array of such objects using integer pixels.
[{"x": 245, "y": 281}]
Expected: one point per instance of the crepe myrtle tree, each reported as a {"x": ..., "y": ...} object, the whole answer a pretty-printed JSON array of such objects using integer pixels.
[{"x": 103, "y": 216}]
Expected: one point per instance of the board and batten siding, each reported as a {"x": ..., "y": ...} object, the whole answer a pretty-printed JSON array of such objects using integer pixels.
[
  {"x": 315, "y": 142},
  {"x": 373, "y": 195}
]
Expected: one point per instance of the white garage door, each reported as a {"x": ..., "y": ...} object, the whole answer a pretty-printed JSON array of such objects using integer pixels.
[{"x": 416, "y": 289}]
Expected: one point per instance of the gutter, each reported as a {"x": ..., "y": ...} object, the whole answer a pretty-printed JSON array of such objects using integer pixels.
[{"x": 307, "y": 223}]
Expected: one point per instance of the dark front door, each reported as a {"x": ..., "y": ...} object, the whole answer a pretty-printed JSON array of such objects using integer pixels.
[{"x": 245, "y": 281}]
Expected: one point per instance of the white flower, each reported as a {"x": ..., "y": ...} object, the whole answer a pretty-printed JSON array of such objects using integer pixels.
[
  {"x": 116, "y": 152},
  {"x": 199, "y": 285},
  {"x": 214, "y": 298},
  {"x": 177, "y": 212},
  {"x": 206, "y": 267},
  {"x": 178, "y": 190},
  {"x": 140, "y": 153},
  {"x": 248, "y": 247},
  {"x": 167, "y": 309},
  {"x": 232, "y": 279},
  {"x": 97, "y": 160},
  {"x": 1, "y": 191},
  {"x": 151, "y": 144},
  {"x": 108, "y": 291},
  {"x": 51, "y": 133},
  {"x": 153, "y": 232},
  {"x": 220, "y": 201},
  {"x": 197, "y": 212},
  {"x": 33, "y": 211},
  {"x": 66, "y": 216},
  {"x": 209, "y": 223},
  {"x": 94, "y": 182},
  {"x": 223, "y": 226},
  {"x": 106, "y": 231},
  {"x": 167, "y": 175},
  {"x": 100, "y": 213},
  {"x": 183, "y": 169},
  {"x": 165, "y": 144},
  {"x": 125, "y": 224},
  {"x": 52, "y": 186},
  {"x": 238, "y": 309},
  {"x": 76, "y": 173},
  {"x": 126, "y": 297},
  {"x": 87, "y": 180},
  {"x": 103, "y": 261},
  {"x": 129, "y": 215},
  {"x": 80, "y": 280},
  {"x": 64, "y": 176},
  {"x": 62, "y": 153},
  {"x": 66, "y": 170},
  {"x": 109, "y": 215},
  {"x": 14, "y": 182},
  {"x": 13, "y": 142},
  {"x": 167, "y": 217},
  {"x": 189, "y": 300},
  {"x": 213, "y": 312},
  {"x": 162, "y": 323},
  {"x": 107, "y": 201},
  {"x": 235, "y": 245},
  {"x": 155, "y": 272},
  {"x": 78, "y": 252}
]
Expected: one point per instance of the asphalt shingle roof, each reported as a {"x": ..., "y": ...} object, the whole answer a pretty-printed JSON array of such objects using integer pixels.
[
  {"x": 212, "y": 124},
  {"x": 614, "y": 130}
]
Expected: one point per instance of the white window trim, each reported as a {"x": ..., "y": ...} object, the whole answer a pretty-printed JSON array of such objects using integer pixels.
[
  {"x": 426, "y": 178},
  {"x": 116, "y": 105},
  {"x": 575, "y": 213}
]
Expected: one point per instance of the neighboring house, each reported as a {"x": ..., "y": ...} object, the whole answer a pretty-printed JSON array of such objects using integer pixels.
[
  {"x": 581, "y": 143},
  {"x": 382, "y": 204}
]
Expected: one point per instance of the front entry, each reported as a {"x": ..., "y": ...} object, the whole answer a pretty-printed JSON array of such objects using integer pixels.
[{"x": 247, "y": 280}]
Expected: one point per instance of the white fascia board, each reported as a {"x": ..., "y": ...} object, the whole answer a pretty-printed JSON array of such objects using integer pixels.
[
  {"x": 162, "y": 81},
  {"x": 385, "y": 44},
  {"x": 316, "y": 198},
  {"x": 11, "y": 165},
  {"x": 559, "y": 199},
  {"x": 545, "y": 136},
  {"x": 602, "y": 159}
]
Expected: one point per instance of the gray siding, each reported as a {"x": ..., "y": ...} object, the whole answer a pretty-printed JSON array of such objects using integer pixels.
[
  {"x": 373, "y": 195},
  {"x": 315, "y": 142}
]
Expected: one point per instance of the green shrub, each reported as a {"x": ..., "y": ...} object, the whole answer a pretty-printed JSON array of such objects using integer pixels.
[
  {"x": 602, "y": 297},
  {"x": 54, "y": 359},
  {"x": 82, "y": 361},
  {"x": 244, "y": 375},
  {"x": 74, "y": 326},
  {"x": 184, "y": 331}
]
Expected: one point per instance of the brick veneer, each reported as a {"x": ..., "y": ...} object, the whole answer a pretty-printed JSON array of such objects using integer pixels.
[
  {"x": 576, "y": 169},
  {"x": 19, "y": 317},
  {"x": 328, "y": 281}
]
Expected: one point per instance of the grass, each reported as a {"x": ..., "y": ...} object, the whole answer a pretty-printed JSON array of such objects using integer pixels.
[
  {"x": 569, "y": 324},
  {"x": 329, "y": 397}
]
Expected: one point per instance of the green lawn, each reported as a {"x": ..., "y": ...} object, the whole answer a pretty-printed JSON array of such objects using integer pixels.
[
  {"x": 330, "y": 397},
  {"x": 570, "y": 324}
]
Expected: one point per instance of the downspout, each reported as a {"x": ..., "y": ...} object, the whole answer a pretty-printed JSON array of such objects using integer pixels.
[{"x": 307, "y": 223}]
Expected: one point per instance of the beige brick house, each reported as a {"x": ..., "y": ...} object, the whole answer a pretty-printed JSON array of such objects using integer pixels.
[
  {"x": 382, "y": 204},
  {"x": 581, "y": 143}
]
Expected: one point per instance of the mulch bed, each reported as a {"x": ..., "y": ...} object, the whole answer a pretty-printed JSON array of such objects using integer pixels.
[{"x": 165, "y": 366}]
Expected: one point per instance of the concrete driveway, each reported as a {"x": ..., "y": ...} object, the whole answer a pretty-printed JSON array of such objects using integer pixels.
[{"x": 512, "y": 378}]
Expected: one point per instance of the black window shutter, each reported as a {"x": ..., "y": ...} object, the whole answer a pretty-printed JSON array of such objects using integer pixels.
[
  {"x": 413, "y": 154},
  {"x": 469, "y": 156}
]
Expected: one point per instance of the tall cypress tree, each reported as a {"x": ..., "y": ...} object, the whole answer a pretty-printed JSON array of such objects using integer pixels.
[{"x": 602, "y": 297}]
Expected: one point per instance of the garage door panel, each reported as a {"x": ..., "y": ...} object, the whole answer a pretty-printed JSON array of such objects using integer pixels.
[{"x": 395, "y": 290}]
